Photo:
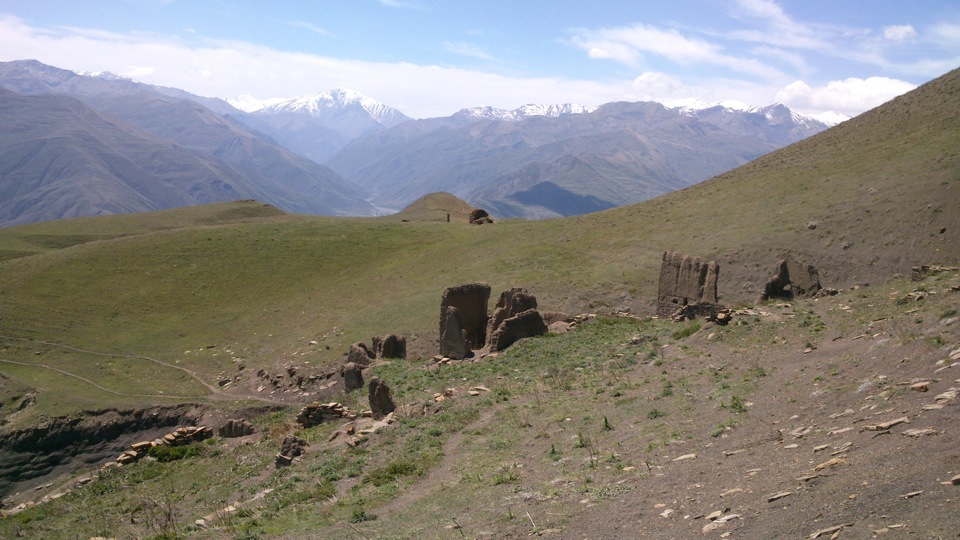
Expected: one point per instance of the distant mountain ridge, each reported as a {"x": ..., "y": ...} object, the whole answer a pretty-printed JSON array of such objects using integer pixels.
[
  {"x": 342, "y": 153},
  {"x": 549, "y": 166},
  {"x": 233, "y": 154}
]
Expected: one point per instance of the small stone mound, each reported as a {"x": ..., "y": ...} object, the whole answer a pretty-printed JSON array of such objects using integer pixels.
[
  {"x": 390, "y": 346},
  {"x": 688, "y": 287},
  {"x": 234, "y": 428},
  {"x": 381, "y": 404},
  {"x": 290, "y": 448},
  {"x": 793, "y": 279},
  {"x": 178, "y": 437},
  {"x": 318, "y": 413}
]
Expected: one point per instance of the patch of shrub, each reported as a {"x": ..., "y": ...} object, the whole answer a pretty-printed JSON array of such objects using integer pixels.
[
  {"x": 686, "y": 331},
  {"x": 166, "y": 454},
  {"x": 392, "y": 471}
]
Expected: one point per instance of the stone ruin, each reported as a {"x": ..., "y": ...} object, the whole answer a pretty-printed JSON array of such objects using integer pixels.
[
  {"x": 352, "y": 376},
  {"x": 360, "y": 354},
  {"x": 291, "y": 447},
  {"x": 793, "y": 279},
  {"x": 514, "y": 318},
  {"x": 478, "y": 216},
  {"x": 465, "y": 326},
  {"x": 236, "y": 428},
  {"x": 687, "y": 285},
  {"x": 390, "y": 346},
  {"x": 317, "y": 413},
  {"x": 178, "y": 437},
  {"x": 463, "y": 319}
]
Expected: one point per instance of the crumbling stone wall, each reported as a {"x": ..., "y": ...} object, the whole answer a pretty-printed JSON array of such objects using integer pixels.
[
  {"x": 470, "y": 312},
  {"x": 686, "y": 280},
  {"x": 793, "y": 278}
]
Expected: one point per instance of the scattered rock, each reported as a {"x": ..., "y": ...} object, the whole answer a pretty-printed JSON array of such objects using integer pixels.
[
  {"x": 920, "y": 432},
  {"x": 884, "y": 426},
  {"x": 829, "y": 530},
  {"x": 381, "y": 404},
  {"x": 778, "y": 496},
  {"x": 687, "y": 281},
  {"x": 685, "y": 457},
  {"x": 830, "y": 463},
  {"x": 236, "y": 428}
]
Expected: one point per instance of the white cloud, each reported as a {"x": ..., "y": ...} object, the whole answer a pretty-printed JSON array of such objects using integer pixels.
[
  {"x": 850, "y": 96},
  {"x": 628, "y": 44},
  {"x": 467, "y": 49},
  {"x": 899, "y": 32},
  {"x": 311, "y": 27}
]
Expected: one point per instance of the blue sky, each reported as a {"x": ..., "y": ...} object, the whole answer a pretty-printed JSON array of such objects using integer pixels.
[{"x": 433, "y": 57}]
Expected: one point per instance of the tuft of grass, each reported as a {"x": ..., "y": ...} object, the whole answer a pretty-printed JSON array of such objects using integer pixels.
[{"x": 686, "y": 331}]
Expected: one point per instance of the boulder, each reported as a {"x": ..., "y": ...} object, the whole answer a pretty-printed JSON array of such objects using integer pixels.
[
  {"x": 390, "y": 346},
  {"x": 793, "y": 279},
  {"x": 381, "y": 404},
  {"x": 470, "y": 301},
  {"x": 684, "y": 281},
  {"x": 236, "y": 428},
  {"x": 360, "y": 355},
  {"x": 352, "y": 376},
  {"x": 526, "y": 324},
  {"x": 318, "y": 413}
]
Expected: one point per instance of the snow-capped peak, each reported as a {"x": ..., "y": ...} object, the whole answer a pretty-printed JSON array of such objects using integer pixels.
[
  {"x": 335, "y": 100},
  {"x": 696, "y": 104},
  {"x": 104, "y": 75},
  {"x": 248, "y": 103},
  {"x": 525, "y": 111}
]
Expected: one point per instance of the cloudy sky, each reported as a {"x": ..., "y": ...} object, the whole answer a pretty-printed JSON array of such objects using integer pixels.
[{"x": 434, "y": 57}]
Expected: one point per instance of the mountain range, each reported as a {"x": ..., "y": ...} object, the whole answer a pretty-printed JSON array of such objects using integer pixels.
[{"x": 342, "y": 153}]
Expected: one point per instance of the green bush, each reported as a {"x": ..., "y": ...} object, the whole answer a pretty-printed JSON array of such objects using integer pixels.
[{"x": 166, "y": 454}]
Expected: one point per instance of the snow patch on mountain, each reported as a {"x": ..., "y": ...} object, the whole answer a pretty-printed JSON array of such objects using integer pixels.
[
  {"x": 525, "y": 111},
  {"x": 248, "y": 103},
  {"x": 775, "y": 113},
  {"x": 320, "y": 105}
]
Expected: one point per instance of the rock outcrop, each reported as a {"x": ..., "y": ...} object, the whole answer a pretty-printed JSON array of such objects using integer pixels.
[
  {"x": 381, "y": 404},
  {"x": 470, "y": 313},
  {"x": 352, "y": 376},
  {"x": 793, "y": 279},
  {"x": 687, "y": 281},
  {"x": 390, "y": 346}
]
